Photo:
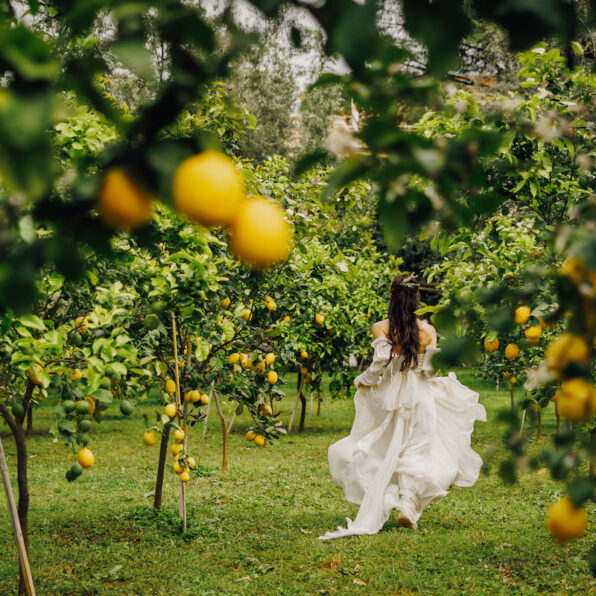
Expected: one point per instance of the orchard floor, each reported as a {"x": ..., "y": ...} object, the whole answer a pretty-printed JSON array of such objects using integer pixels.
[{"x": 254, "y": 530}]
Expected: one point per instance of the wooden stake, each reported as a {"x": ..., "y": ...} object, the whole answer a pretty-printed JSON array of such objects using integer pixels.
[
  {"x": 16, "y": 525},
  {"x": 182, "y": 497},
  {"x": 224, "y": 434},
  {"x": 522, "y": 422},
  {"x": 205, "y": 422}
]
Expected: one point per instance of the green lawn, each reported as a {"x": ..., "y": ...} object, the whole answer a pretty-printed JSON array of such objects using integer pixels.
[{"x": 255, "y": 530}]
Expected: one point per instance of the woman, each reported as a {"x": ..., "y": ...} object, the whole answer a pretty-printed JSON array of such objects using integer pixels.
[{"x": 410, "y": 440}]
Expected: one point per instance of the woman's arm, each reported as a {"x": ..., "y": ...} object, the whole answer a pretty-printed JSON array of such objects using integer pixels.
[{"x": 381, "y": 354}]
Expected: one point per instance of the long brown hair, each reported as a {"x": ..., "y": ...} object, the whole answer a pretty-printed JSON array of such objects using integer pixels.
[{"x": 403, "y": 323}]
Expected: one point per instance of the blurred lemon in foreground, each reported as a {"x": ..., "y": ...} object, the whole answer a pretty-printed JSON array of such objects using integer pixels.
[
  {"x": 261, "y": 234},
  {"x": 576, "y": 399},
  {"x": 121, "y": 202},
  {"x": 565, "y": 521},
  {"x": 564, "y": 349},
  {"x": 208, "y": 188}
]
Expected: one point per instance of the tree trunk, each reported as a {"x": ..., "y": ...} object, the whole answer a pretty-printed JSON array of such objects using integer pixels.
[
  {"x": 302, "y": 412},
  {"x": 512, "y": 396},
  {"x": 22, "y": 481},
  {"x": 539, "y": 435},
  {"x": 163, "y": 451},
  {"x": 224, "y": 434},
  {"x": 29, "y": 420},
  {"x": 319, "y": 403}
]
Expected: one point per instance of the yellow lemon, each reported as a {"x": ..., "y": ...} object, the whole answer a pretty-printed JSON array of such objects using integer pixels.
[
  {"x": 512, "y": 380},
  {"x": 269, "y": 358},
  {"x": 261, "y": 234},
  {"x": 233, "y": 358},
  {"x": 271, "y": 305},
  {"x": 246, "y": 363},
  {"x": 522, "y": 314},
  {"x": 303, "y": 370},
  {"x": 195, "y": 396},
  {"x": 266, "y": 409},
  {"x": 565, "y": 521},
  {"x": 121, "y": 202},
  {"x": 246, "y": 315},
  {"x": 573, "y": 268},
  {"x": 576, "y": 399},
  {"x": 188, "y": 397},
  {"x": 261, "y": 366},
  {"x": 185, "y": 476},
  {"x": 176, "y": 448},
  {"x": 303, "y": 355},
  {"x": 250, "y": 435},
  {"x": 564, "y": 349},
  {"x": 179, "y": 435},
  {"x": 272, "y": 377},
  {"x": 205, "y": 399},
  {"x": 511, "y": 352},
  {"x": 81, "y": 324},
  {"x": 171, "y": 410},
  {"x": 150, "y": 438},
  {"x": 32, "y": 373},
  {"x": 259, "y": 440},
  {"x": 86, "y": 458},
  {"x": 287, "y": 318},
  {"x": 225, "y": 302},
  {"x": 170, "y": 387},
  {"x": 178, "y": 468},
  {"x": 320, "y": 319},
  {"x": 192, "y": 464},
  {"x": 491, "y": 346},
  {"x": 208, "y": 189}
]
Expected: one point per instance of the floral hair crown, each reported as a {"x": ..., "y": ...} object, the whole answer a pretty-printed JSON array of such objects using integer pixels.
[{"x": 409, "y": 282}]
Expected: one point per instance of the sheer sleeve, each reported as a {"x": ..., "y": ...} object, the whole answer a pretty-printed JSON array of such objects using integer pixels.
[{"x": 371, "y": 376}]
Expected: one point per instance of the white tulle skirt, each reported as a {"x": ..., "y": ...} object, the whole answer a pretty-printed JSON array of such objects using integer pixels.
[{"x": 409, "y": 443}]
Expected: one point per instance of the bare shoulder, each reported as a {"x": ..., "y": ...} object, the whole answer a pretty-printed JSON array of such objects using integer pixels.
[
  {"x": 380, "y": 328},
  {"x": 428, "y": 332}
]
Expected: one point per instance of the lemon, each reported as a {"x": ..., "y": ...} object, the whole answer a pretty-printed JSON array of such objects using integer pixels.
[
  {"x": 266, "y": 409},
  {"x": 235, "y": 369},
  {"x": 32, "y": 373},
  {"x": 511, "y": 351},
  {"x": 250, "y": 435},
  {"x": 81, "y": 324},
  {"x": 192, "y": 464},
  {"x": 86, "y": 458},
  {"x": 303, "y": 370},
  {"x": 77, "y": 374},
  {"x": 246, "y": 315},
  {"x": 287, "y": 318},
  {"x": 246, "y": 363},
  {"x": 320, "y": 319},
  {"x": 522, "y": 314},
  {"x": 272, "y": 377},
  {"x": 208, "y": 189},
  {"x": 512, "y": 380},
  {"x": 533, "y": 331},
  {"x": 261, "y": 366},
  {"x": 176, "y": 449},
  {"x": 259, "y": 440},
  {"x": 171, "y": 410},
  {"x": 271, "y": 305},
  {"x": 574, "y": 269},
  {"x": 303, "y": 355},
  {"x": 225, "y": 303},
  {"x": 185, "y": 476},
  {"x": 564, "y": 349},
  {"x": 179, "y": 435},
  {"x": 170, "y": 387},
  {"x": 261, "y": 234},
  {"x": 565, "y": 521},
  {"x": 233, "y": 358},
  {"x": 269, "y": 358},
  {"x": 491, "y": 346},
  {"x": 121, "y": 202},
  {"x": 205, "y": 399},
  {"x": 195, "y": 396},
  {"x": 243, "y": 358},
  {"x": 150, "y": 438},
  {"x": 178, "y": 468},
  {"x": 576, "y": 399}
]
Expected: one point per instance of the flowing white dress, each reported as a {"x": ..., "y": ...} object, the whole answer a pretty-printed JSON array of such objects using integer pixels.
[{"x": 409, "y": 443}]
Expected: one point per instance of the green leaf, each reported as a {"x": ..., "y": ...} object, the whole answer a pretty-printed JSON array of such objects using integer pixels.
[{"x": 33, "y": 322}]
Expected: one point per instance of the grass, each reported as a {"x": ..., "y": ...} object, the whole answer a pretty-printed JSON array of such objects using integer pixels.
[{"x": 255, "y": 530}]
